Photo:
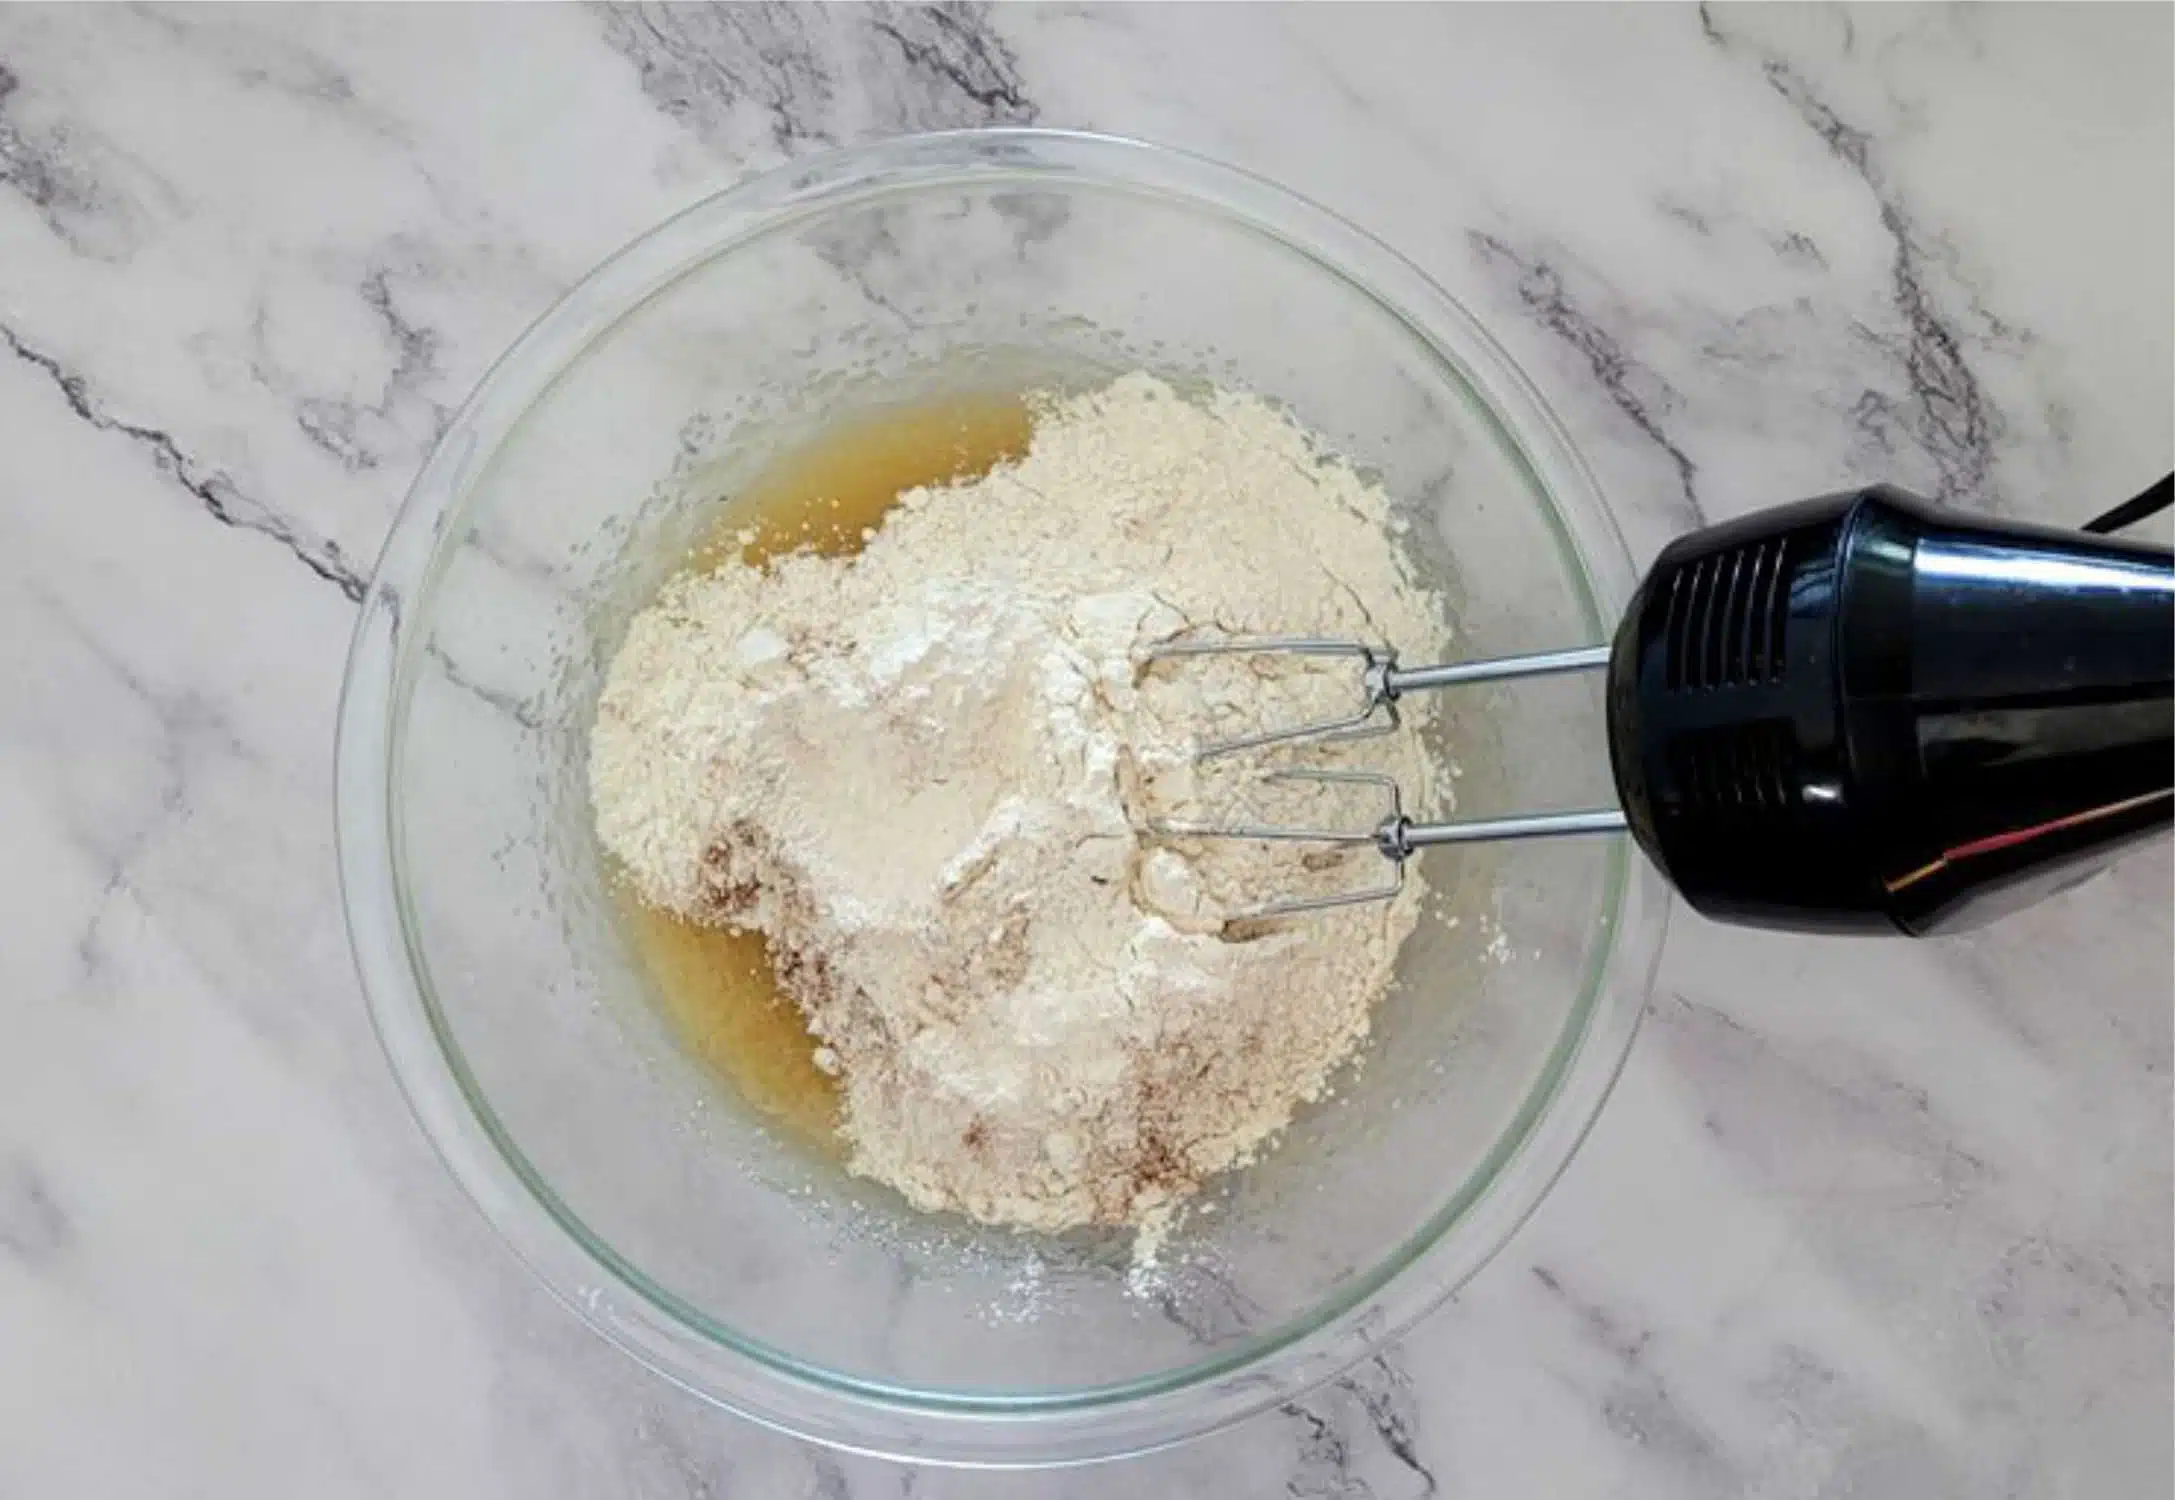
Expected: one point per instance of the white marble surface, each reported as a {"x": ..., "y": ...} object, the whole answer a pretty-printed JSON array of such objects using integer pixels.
[{"x": 1862, "y": 1219}]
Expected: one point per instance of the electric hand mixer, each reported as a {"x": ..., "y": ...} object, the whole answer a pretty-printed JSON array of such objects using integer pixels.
[{"x": 1861, "y": 712}]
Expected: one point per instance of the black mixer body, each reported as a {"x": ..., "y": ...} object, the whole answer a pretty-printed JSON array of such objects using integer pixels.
[{"x": 1867, "y": 713}]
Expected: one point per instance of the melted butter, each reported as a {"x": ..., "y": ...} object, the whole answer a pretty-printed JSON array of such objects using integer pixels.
[
  {"x": 720, "y": 995},
  {"x": 827, "y": 496},
  {"x": 719, "y": 990}
]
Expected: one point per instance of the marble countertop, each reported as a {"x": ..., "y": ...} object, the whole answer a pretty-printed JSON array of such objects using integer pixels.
[{"x": 1866, "y": 1219}]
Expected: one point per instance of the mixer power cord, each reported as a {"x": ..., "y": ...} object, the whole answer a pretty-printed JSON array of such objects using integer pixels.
[{"x": 2154, "y": 499}]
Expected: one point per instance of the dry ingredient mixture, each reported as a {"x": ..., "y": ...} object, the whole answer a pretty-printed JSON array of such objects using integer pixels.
[{"x": 923, "y": 772}]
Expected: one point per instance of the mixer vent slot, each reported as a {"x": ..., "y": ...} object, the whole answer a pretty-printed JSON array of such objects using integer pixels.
[
  {"x": 1773, "y": 608},
  {"x": 1737, "y": 771},
  {"x": 1727, "y": 618}
]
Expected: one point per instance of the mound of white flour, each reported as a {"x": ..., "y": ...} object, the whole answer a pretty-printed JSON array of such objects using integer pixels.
[{"x": 924, "y": 773}]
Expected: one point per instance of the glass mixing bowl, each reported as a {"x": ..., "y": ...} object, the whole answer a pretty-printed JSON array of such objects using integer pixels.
[{"x": 734, "y": 1260}]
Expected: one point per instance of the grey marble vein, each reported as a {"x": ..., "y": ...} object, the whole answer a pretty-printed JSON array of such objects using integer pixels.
[
  {"x": 1947, "y": 413},
  {"x": 347, "y": 428},
  {"x": 34, "y": 1228},
  {"x": 33, "y": 164},
  {"x": 1643, "y": 397},
  {"x": 213, "y": 491},
  {"x": 810, "y": 74}
]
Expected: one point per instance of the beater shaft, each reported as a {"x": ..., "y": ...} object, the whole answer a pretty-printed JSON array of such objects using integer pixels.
[
  {"x": 1525, "y": 826},
  {"x": 1539, "y": 664}
]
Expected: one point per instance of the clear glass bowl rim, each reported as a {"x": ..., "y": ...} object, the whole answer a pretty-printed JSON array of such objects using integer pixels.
[{"x": 677, "y": 1341}]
